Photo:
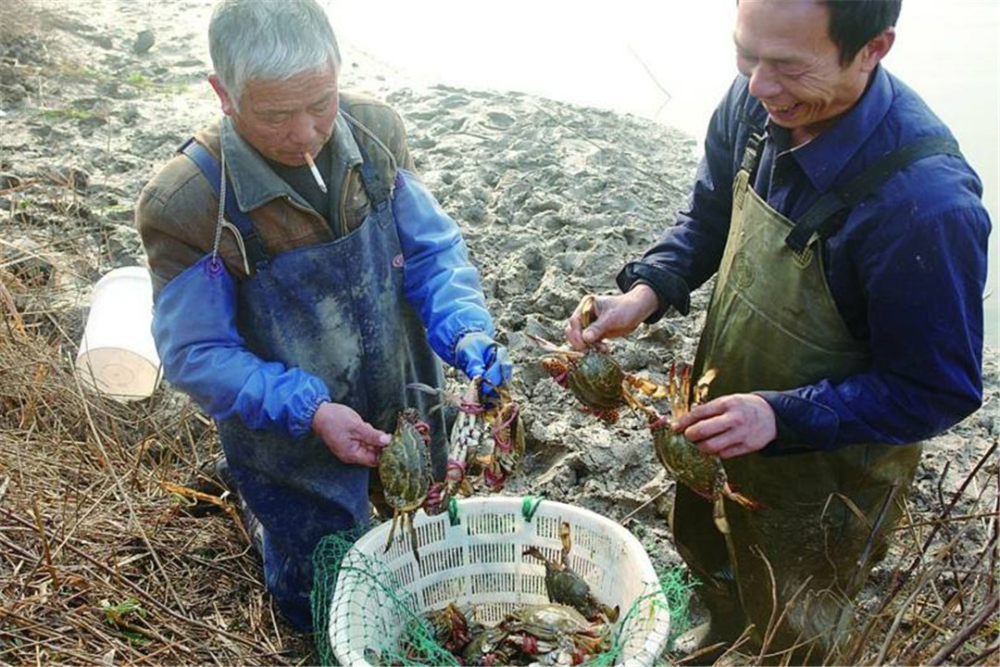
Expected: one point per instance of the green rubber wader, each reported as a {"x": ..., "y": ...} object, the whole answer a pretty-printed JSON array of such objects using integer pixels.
[{"x": 772, "y": 324}]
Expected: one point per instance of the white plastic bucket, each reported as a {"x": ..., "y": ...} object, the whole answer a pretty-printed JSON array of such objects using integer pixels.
[{"x": 117, "y": 354}]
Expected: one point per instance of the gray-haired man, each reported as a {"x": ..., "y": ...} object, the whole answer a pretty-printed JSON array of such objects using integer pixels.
[{"x": 292, "y": 303}]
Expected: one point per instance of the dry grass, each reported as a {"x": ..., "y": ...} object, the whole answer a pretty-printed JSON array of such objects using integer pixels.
[
  {"x": 935, "y": 599},
  {"x": 20, "y": 17},
  {"x": 98, "y": 564}
]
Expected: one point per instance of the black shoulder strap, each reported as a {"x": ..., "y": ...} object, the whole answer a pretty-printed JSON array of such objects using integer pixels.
[{"x": 822, "y": 218}]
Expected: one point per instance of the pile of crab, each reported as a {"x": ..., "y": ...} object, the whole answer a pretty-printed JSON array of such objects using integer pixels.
[
  {"x": 570, "y": 629},
  {"x": 486, "y": 445}
]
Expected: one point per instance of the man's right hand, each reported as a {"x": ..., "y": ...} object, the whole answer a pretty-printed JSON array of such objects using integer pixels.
[
  {"x": 616, "y": 316},
  {"x": 350, "y": 438}
]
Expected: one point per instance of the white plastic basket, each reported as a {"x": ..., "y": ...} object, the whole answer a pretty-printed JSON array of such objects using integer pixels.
[{"x": 479, "y": 564}]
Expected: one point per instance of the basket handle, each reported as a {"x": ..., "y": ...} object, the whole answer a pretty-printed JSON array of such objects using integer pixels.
[{"x": 529, "y": 504}]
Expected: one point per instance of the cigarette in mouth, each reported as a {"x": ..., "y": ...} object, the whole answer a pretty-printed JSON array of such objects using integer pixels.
[{"x": 315, "y": 172}]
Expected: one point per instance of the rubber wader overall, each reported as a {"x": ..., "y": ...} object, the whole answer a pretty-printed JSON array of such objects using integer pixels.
[
  {"x": 772, "y": 324},
  {"x": 336, "y": 310}
]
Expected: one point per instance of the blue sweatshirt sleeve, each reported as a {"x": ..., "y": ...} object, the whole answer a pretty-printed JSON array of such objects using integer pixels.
[
  {"x": 203, "y": 354},
  {"x": 438, "y": 278}
]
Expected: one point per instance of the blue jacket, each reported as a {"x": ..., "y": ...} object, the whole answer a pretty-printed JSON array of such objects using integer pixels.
[{"x": 907, "y": 269}]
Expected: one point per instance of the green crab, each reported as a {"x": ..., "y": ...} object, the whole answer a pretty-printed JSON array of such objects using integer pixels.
[
  {"x": 702, "y": 473},
  {"x": 405, "y": 471},
  {"x": 593, "y": 376},
  {"x": 488, "y": 646},
  {"x": 547, "y": 628},
  {"x": 564, "y": 586},
  {"x": 450, "y": 628}
]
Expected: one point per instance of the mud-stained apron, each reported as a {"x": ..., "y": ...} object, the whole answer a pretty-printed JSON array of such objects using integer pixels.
[
  {"x": 772, "y": 324},
  {"x": 337, "y": 311}
]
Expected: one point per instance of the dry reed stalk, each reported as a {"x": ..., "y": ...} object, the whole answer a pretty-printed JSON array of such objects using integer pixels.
[
  {"x": 941, "y": 605},
  {"x": 963, "y": 635},
  {"x": 85, "y": 526}
]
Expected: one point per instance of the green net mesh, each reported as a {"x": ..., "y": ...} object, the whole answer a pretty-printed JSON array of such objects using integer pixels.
[{"x": 404, "y": 637}]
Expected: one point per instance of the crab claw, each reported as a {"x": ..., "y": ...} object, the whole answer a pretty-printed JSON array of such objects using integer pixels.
[
  {"x": 494, "y": 478},
  {"x": 437, "y": 499},
  {"x": 424, "y": 430},
  {"x": 558, "y": 369},
  {"x": 454, "y": 472}
]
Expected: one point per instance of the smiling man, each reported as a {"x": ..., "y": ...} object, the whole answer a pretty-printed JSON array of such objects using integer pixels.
[
  {"x": 295, "y": 303},
  {"x": 848, "y": 242}
]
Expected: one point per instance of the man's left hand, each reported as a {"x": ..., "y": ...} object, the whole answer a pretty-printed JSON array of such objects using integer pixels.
[
  {"x": 478, "y": 354},
  {"x": 729, "y": 425}
]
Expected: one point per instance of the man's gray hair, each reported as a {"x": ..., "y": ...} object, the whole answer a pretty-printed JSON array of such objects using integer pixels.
[{"x": 268, "y": 39}]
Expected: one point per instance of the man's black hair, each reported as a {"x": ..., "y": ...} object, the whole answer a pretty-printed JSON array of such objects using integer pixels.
[{"x": 853, "y": 23}]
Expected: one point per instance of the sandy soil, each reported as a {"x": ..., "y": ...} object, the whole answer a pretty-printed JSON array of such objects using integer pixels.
[{"x": 552, "y": 199}]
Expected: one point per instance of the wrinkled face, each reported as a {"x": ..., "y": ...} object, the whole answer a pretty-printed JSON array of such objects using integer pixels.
[
  {"x": 794, "y": 67},
  {"x": 284, "y": 119}
]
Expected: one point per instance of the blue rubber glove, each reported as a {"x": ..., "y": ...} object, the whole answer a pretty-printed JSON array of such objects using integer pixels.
[{"x": 479, "y": 355}]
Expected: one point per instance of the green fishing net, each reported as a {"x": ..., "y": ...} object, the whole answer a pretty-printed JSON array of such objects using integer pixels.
[{"x": 396, "y": 632}]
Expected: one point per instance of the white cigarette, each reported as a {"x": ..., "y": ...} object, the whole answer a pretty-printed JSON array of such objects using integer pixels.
[{"x": 315, "y": 172}]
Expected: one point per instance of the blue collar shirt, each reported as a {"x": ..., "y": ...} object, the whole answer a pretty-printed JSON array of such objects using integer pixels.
[{"x": 907, "y": 269}]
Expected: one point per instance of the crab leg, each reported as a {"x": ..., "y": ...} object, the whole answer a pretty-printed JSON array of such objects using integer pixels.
[
  {"x": 556, "y": 349},
  {"x": 648, "y": 387},
  {"x": 567, "y": 543},
  {"x": 392, "y": 530},
  {"x": 739, "y": 498},
  {"x": 408, "y": 520},
  {"x": 719, "y": 515}
]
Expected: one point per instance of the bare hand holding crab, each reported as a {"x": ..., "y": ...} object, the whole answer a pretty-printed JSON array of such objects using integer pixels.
[
  {"x": 350, "y": 438},
  {"x": 616, "y": 316},
  {"x": 729, "y": 426}
]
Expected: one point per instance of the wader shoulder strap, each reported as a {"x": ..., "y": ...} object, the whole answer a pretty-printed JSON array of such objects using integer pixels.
[
  {"x": 751, "y": 155},
  {"x": 209, "y": 167},
  {"x": 822, "y": 219}
]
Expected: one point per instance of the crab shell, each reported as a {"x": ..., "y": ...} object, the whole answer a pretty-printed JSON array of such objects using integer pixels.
[
  {"x": 701, "y": 472},
  {"x": 564, "y": 586},
  {"x": 567, "y": 587},
  {"x": 450, "y": 627},
  {"x": 548, "y": 621},
  {"x": 485, "y": 641},
  {"x": 405, "y": 466},
  {"x": 596, "y": 381}
]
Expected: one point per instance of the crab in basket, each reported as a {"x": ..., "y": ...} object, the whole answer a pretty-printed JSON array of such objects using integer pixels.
[
  {"x": 405, "y": 471},
  {"x": 546, "y": 634},
  {"x": 593, "y": 376},
  {"x": 449, "y": 627},
  {"x": 486, "y": 444},
  {"x": 552, "y": 634},
  {"x": 564, "y": 586},
  {"x": 702, "y": 473}
]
